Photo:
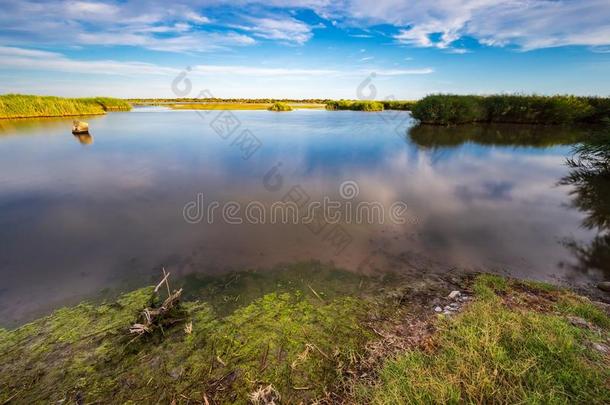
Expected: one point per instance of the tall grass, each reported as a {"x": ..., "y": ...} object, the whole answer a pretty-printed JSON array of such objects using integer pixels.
[
  {"x": 398, "y": 105},
  {"x": 446, "y": 109},
  {"x": 354, "y": 105},
  {"x": 26, "y": 106}
]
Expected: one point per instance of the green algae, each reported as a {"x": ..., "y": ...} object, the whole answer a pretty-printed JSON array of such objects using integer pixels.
[
  {"x": 300, "y": 345},
  {"x": 305, "y": 330}
]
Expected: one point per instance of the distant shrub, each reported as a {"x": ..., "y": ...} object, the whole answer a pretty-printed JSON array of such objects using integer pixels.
[
  {"x": 448, "y": 109},
  {"x": 280, "y": 107}
]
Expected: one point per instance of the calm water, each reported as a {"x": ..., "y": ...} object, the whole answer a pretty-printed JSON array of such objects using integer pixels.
[{"x": 79, "y": 215}]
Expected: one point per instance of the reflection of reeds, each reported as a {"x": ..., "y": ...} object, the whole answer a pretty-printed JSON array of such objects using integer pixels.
[
  {"x": 437, "y": 136},
  {"x": 589, "y": 178},
  {"x": 24, "y": 106}
]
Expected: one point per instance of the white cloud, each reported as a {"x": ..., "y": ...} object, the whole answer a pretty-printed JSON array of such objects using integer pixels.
[
  {"x": 523, "y": 23},
  {"x": 402, "y": 72},
  {"x": 288, "y": 30},
  {"x": 153, "y": 25},
  {"x": 12, "y": 57}
]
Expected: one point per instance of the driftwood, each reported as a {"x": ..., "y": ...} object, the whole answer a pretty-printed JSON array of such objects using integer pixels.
[{"x": 153, "y": 317}]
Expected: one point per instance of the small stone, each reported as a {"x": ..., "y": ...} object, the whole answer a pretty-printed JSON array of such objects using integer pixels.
[
  {"x": 176, "y": 373},
  {"x": 446, "y": 312},
  {"x": 438, "y": 309},
  {"x": 600, "y": 348},
  {"x": 604, "y": 286},
  {"x": 454, "y": 294},
  {"x": 577, "y": 321}
]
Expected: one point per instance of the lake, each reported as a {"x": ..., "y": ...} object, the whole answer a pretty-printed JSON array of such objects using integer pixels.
[{"x": 84, "y": 215}]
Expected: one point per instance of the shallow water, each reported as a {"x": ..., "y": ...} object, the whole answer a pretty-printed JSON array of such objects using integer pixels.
[{"x": 80, "y": 215}]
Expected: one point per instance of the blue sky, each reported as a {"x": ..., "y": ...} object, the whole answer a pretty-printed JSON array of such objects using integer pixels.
[{"x": 301, "y": 49}]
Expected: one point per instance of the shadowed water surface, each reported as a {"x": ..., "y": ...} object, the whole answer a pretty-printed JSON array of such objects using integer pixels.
[{"x": 79, "y": 215}]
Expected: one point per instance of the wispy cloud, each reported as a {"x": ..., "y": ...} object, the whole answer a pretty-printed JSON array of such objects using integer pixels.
[
  {"x": 14, "y": 57},
  {"x": 283, "y": 29},
  {"x": 19, "y": 58},
  {"x": 190, "y": 25},
  {"x": 155, "y": 25},
  {"x": 524, "y": 24}
]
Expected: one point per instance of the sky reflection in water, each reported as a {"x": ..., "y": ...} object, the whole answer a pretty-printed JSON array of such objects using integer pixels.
[{"x": 77, "y": 217}]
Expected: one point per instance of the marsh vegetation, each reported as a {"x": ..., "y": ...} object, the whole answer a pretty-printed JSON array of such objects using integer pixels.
[
  {"x": 354, "y": 105},
  {"x": 280, "y": 107},
  {"x": 26, "y": 106},
  {"x": 447, "y": 109},
  {"x": 532, "y": 342}
]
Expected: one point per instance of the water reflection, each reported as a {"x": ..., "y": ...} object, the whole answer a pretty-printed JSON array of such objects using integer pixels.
[
  {"x": 590, "y": 178},
  {"x": 77, "y": 220},
  {"x": 433, "y": 136},
  {"x": 84, "y": 139}
]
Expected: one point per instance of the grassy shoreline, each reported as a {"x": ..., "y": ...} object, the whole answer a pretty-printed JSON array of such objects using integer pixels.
[
  {"x": 16, "y": 106},
  {"x": 507, "y": 341},
  {"x": 439, "y": 109}
]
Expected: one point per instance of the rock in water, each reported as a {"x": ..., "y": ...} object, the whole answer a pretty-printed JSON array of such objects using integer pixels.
[
  {"x": 80, "y": 127},
  {"x": 604, "y": 286}
]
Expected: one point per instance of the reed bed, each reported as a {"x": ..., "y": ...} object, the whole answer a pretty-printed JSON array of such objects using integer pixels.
[
  {"x": 354, "y": 105},
  {"x": 26, "y": 106},
  {"x": 447, "y": 109}
]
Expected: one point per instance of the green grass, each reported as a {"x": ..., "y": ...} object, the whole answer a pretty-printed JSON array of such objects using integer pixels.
[
  {"x": 447, "y": 109},
  {"x": 301, "y": 345},
  {"x": 582, "y": 307},
  {"x": 25, "y": 106},
  {"x": 354, "y": 105},
  {"x": 280, "y": 107},
  {"x": 401, "y": 105},
  {"x": 310, "y": 340},
  {"x": 492, "y": 353}
]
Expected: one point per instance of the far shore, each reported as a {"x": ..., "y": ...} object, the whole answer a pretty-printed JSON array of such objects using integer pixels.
[{"x": 439, "y": 109}]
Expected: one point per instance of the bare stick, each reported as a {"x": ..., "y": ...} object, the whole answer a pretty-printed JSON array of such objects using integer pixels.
[
  {"x": 166, "y": 275},
  {"x": 166, "y": 282}
]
